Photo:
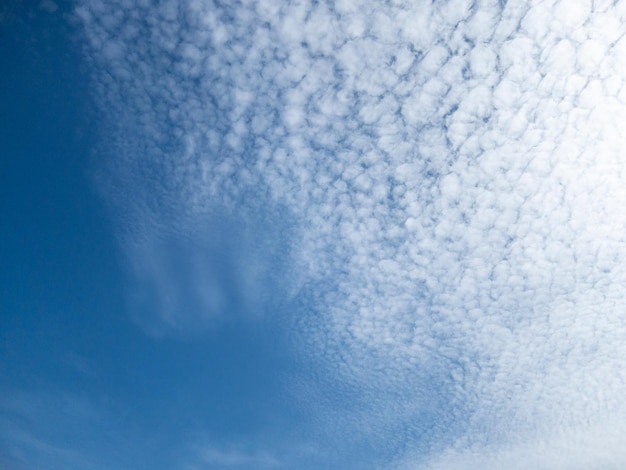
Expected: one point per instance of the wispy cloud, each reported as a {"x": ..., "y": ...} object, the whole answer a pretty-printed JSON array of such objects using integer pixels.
[
  {"x": 31, "y": 426},
  {"x": 216, "y": 457},
  {"x": 447, "y": 180}
]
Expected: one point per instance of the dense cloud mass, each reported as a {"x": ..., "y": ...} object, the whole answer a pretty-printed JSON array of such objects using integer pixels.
[{"x": 438, "y": 187}]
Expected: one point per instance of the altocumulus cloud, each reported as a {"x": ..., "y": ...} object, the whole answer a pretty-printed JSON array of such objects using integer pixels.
[{"x": 438, "y": 188}]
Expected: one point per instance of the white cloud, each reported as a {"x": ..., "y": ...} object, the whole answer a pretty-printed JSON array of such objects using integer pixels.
[
  {"x": 453, "y": 176},
  {"x": 36, "y": 427},
  {"x": 216, "y": 457}
]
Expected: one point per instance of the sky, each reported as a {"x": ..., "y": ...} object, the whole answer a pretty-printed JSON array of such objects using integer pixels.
[{"x": 312, "y": 234}]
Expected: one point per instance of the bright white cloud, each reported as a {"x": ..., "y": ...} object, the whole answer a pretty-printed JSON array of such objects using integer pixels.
[{"x": 454, "y": 179}]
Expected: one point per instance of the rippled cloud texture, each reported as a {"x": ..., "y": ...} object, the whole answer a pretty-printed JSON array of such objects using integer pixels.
[{"x": 435, "y": 190}]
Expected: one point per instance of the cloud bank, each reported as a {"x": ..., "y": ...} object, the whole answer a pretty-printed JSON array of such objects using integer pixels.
[{"x": 437, "y": 188}]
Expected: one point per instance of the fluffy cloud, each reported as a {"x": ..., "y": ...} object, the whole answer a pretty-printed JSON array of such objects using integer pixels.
[{"x": 447, "y": 178}]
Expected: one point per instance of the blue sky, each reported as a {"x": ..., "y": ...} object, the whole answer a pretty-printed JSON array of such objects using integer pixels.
[{"x": 312, "y": 234}]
